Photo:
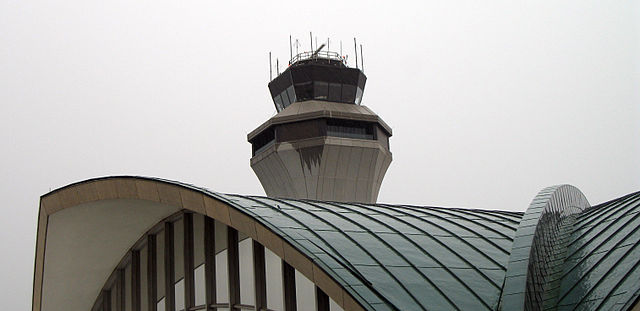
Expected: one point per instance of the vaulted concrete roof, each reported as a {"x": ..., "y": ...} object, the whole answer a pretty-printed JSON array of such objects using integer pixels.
[
  {"x": 399, "y": 256},
  {"x": 364, "y": 256}
]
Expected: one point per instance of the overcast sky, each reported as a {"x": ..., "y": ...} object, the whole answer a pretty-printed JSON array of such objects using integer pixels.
[{"x": 489, "y": 101}]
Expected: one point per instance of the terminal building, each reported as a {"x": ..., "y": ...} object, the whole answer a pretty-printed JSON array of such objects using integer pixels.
[{"x": 318, "y": 240}]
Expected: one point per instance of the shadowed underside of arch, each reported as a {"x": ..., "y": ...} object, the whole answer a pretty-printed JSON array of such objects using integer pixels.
[{"x": 375, "y": 257}]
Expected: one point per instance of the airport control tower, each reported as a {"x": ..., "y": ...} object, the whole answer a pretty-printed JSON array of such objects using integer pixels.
[{"x": 322, "y": 144}]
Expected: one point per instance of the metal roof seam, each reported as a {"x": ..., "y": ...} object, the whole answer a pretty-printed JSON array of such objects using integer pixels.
[
  {"x": 594, "y": 265},
  {"x": 596, "y": 208},
  {"x": 634, "y": 300},
  {"x": 474, "y": 232},
  {"x": 343, "y": 261},
  {"x": 470, "y": 212},
  {"x": 600, "y": 221},
  {"x": 619, "y": 283},
  {"x": 457, "y": 236},
  {"x": 609, "y": 237},
  {"x": 456, "y": 253},
  {"x": 372, "y": 257},
  {"x": 487, "y": 211},
  {"x": 596, "y": 212},
  {"x": 503, "y": 214},
  {"x": 609, "y": 209},
  {"x": 497, "y": 214},
  {"x": 582, "y": 299},
  {"x": 351, "y": 267},
  {"x": 423, "y": 251}
]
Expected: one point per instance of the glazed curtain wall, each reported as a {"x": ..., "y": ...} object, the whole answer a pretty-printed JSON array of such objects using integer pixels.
[{"x": 193, "y": 262}]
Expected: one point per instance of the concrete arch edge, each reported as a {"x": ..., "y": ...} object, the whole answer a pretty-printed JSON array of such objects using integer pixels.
[{"x": 180, "y": 196}]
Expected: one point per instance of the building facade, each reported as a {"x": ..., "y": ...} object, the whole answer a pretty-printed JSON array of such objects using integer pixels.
[
  {"x": 133, "y": 243},
  {"x": 318, "y": 241}
]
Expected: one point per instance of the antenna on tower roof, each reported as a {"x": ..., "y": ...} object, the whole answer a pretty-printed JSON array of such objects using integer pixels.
[
  {"x": 355, "y": 47},
  {"x": 277, "y": 67},
  {"x": 290, "y": 50},
  {"x": 361, "y": 58},
  {"x": 270, "y": 68},
  {"x": 311, "y": 40},
  {"x": 315, "y": 53}
]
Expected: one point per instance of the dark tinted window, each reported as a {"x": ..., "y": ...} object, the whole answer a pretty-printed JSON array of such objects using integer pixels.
[
  {"x": 262, "y": 141},
  {"x": 320, "y": 81},
  {"x": 320, "y": 89},
  {"x": 335, "y": 91},
  {"x": 304, "y": 91},
  {"x": 350, "y": 129},
  {"x": 348, "y": 93},
  {"x": 292, "y": 94},
  {"x": 358, "y": 96},
  {"x": 278, "y": 101},
  {"x": 285, "y": 99}
]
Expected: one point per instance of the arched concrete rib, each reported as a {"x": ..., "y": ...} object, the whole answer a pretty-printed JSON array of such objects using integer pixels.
[
  {"x": 188, "y": 197},
  {"x": 298, "y": 232},
  {"x": 540, "y": 240}
]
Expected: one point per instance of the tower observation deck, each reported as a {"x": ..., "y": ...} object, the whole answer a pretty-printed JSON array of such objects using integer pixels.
[
  {"x": 318, "y": 75},
  {"x": 322, "y": 144}
]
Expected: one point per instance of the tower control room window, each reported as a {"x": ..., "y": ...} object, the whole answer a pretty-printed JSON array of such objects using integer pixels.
[
  {"x": 350, "y": 129},
  {"x": 263, "y": 141},
  {"x": 320, "y": 90},
  {"x": 335, "y": 92}
]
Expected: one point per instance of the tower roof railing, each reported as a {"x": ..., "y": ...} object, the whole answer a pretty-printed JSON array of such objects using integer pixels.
[{"x": 325, "y": 55}]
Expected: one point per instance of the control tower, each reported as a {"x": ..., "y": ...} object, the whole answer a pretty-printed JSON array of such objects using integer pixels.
[{"x": 322, "y": 144}]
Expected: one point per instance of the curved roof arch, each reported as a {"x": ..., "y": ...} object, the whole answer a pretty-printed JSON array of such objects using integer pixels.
[
  {"x": 538, "y": 249},
  {"x": 375, "y": 257}
]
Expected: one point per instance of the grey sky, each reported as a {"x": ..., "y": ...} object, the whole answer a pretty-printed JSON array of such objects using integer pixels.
[{"x": 489, "y": 101}]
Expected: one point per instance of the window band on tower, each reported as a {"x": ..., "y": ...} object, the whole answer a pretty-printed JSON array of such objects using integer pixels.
[{"x": 322, "y": 127}]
